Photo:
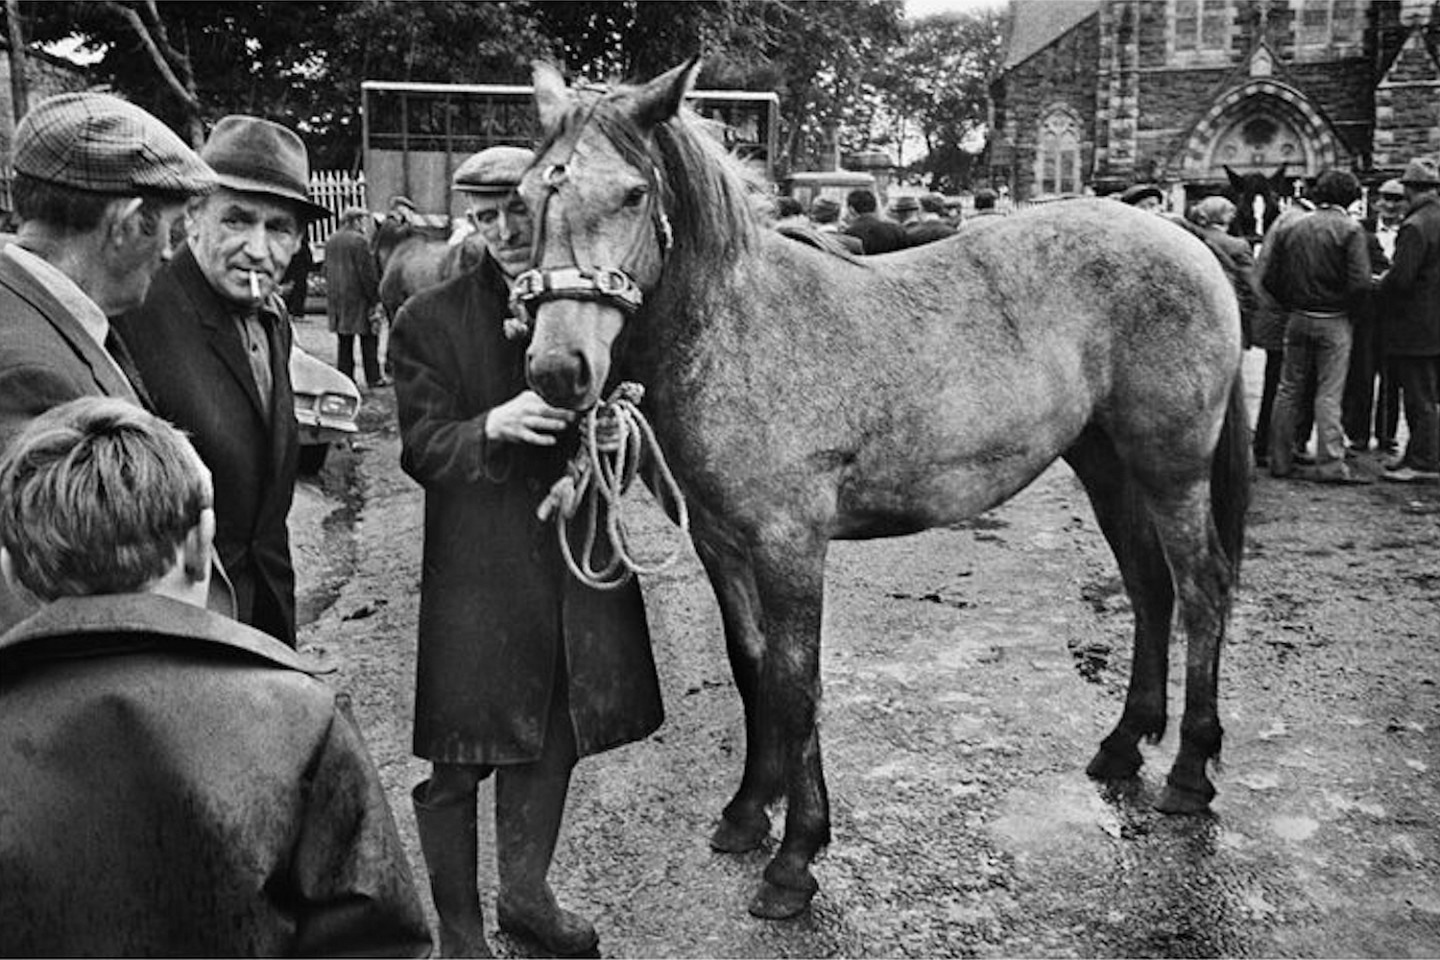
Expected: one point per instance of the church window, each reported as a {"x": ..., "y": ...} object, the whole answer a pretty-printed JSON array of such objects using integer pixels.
[
  {"x": 1328, "y": 23},
  {"x": 1201, "y": 26},
  {"x": 1057, "y": 157}
]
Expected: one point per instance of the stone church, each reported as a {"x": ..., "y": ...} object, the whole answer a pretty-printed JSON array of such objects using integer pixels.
[{"x": 1095, "y": 95}]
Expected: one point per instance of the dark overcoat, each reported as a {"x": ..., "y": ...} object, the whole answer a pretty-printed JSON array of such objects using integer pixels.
[
  {"x": 46, "y": 359},
  {"x": 351, "y": 283},
  {"x": 193, "y": 363},
  {"x": 177, "y": 785},
  {"x": 498, "y": 608},
  {"x": 1409, "y": 305}
]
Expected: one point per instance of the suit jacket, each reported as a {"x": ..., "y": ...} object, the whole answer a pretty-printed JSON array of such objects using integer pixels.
[
  {"x": 177, "y": 785},
  {"x": 192, "y": 359},
  {"x": 877, "y": 234},
  {"x": 497, "y": 604}
]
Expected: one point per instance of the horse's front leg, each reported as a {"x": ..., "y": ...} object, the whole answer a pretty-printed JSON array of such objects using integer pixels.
[
  {"x": 790, "y": 580},
  {"x": 745, "y": 822}
]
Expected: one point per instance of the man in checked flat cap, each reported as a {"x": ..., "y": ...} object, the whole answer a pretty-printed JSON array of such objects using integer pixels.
[
  {"x": 98, "y": 183},
  {"x": 213, "y": 341},
  {"x": 521, "y": 669}
]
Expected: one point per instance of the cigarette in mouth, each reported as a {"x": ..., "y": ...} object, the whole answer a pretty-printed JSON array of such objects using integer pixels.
[{"x": 254, "y": 285}]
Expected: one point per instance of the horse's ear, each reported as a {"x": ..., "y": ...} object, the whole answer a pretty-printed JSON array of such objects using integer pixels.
[
  {"x": 1237, "y": 182},
  {"x": 552, "y": 99},
  {"x": 1279, "y": 181},
  {"x": 660, "y": 99}
]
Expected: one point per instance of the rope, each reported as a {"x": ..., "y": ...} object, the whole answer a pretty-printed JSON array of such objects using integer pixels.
[{"x": 595, "y": 476}]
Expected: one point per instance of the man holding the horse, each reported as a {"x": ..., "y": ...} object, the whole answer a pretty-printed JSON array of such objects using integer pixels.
[
  {"x": 1319, "y": 272},
  {"x": 520, "y": 666},
  {"x": 1410, "y": 299}
]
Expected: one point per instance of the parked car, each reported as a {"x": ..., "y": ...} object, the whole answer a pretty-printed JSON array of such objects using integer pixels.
[{"x": 327, "y": 404}]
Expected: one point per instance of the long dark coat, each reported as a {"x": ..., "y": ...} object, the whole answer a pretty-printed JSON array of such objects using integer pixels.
[
  {"x": 351, "y": 283},
  {"x": 1410, "y": 293},
  {"x": 193, "y": 363},
  {"x": 497, "y": 604},
  {"x": 177, "y": 785}
]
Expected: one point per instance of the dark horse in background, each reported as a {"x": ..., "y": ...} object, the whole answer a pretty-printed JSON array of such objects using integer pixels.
[
  {"x": 1257, "y": 202},
  {"x": 803, "y": 396},
  {"x": 409, "y": 259}
]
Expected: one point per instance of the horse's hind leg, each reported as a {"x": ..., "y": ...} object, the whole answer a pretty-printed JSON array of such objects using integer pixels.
[
  {"x": 744, "y": 823},
  {"x": 1124, "y": 519},
  {"x": 1204, "y": 579}
]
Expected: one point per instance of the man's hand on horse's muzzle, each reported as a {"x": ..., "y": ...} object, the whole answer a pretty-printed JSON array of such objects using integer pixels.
[{"x": 526, "y": 418}]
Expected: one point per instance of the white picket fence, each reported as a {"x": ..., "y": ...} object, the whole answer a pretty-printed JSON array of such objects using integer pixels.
[{"x": 335, "y": 190}]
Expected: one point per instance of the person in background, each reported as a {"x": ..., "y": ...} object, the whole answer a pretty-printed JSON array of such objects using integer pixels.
[
  {"x": 295, "y": 284},
  {"x": 1390, "y": 211},
  {"x": 985, "y": 199},
  {"x": 825, "y": 214},
  {"x": 1212, "y": 217},
  {"x": 1319, "y": 272},
  {"x": 790, "y": 212},
  {"x": 929, "y": 224},
  {"x": 1144, "y": 196},
  {"x": 876, "y": 233},
  {"x": 1361, "y": 417},
  {"x": 522, "y": 669},
  {"x": 212, "y": 342},
  {"x": 1410, "y": 305},
  {"x": 176, "y": 784},
  {"x": 96, "y": 214},
  {"x": 904, "y": 210},
  {"x": 352, "y": 293}
]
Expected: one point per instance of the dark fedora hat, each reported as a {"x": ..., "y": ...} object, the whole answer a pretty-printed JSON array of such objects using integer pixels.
[{"x": 253, "y": 155}]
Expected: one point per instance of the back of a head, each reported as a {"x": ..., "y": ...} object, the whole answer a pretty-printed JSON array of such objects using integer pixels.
[
  {"x": 788, "y": 207},
  {"x": 824, "y": 210},
  {"x": 1213, "y": 211},
  {"x": 96, "y": 496},
  {"x": 76, "y": 153},
  {"x": 1338, "y": 187},
  {"x": 985, "y": 199},
  {"x": 353, "y": 217},
  {"x": 933, "y": 203},
  {"x": 861, "y": 201}
]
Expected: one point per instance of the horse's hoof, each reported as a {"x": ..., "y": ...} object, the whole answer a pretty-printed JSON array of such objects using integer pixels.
[
  {"x": 774, "y": 902},
  {"x": 732, "y": 837},
  {"x": 1183, "y": 800},
  {"x": 1110, "y": 766}
]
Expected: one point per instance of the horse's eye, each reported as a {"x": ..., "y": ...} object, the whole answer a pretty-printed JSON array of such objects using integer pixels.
[{"x": 636, "y": 196}]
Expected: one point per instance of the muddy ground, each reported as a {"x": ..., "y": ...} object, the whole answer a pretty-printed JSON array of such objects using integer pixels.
[{"x": 969, "y": 674}]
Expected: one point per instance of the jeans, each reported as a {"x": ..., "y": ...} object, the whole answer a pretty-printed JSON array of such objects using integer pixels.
[
  {"x": 1420, "y": 382},
  {"x": 369, "y": 353},
  {"x": 1319, "y": 345}
]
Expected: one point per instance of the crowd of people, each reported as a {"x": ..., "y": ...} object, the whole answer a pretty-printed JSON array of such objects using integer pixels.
[
  {"x": 1344, "y": 298},
  {"x": 861, "y": 228},
  {"x": 178, "y": 781}
]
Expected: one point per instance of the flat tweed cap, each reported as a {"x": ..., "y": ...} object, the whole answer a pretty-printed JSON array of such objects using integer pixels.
[
  {"x": 254, "y": 155},
  {"x": 493, "y": 170},
  {"x": 97, "y": 142}
]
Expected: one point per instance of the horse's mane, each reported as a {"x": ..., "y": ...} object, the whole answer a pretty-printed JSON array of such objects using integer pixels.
[{"x": 705, "y": 191}]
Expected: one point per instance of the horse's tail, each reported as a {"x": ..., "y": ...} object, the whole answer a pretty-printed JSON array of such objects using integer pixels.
[{"x": 1231, "y": 471}]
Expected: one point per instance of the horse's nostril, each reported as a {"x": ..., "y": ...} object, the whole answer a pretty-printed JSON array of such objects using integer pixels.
[{"x": 563, "y": 379}]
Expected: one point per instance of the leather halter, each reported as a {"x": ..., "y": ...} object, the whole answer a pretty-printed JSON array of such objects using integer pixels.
[{"x": 611, "y": 285}]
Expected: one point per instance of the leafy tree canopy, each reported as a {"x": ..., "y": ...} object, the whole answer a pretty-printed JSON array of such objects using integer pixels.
[{"x": 855, "y": 65}]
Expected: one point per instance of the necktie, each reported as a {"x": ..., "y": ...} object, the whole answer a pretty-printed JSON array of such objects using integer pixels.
[{"x": 121, "y": 354}]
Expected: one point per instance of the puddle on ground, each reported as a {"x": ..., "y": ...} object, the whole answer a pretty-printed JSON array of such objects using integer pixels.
[{"x": 1057, "y": 812}]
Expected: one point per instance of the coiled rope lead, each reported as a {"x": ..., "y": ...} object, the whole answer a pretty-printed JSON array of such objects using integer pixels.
[{"x": 594, "y": 476}]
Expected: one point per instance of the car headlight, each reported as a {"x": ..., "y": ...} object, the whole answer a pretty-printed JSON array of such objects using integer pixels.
[{"x": 338, "y": 405}]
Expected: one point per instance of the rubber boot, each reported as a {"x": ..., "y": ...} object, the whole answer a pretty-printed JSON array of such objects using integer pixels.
[
  {"x": 529, "y": 805},
  {"x": 447, "y": 839}
]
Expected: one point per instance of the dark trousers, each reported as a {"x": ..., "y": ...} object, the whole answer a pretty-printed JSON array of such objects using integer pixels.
[
  {"x": 1420, "y": 383},
  {"x": 1274, "y": 362},
  {"x": 1366, "y": 412},
  {"x": 369, "y": 355}
]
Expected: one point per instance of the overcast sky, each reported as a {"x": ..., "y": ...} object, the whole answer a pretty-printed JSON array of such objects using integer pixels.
[{"x": 916, "y": 9}]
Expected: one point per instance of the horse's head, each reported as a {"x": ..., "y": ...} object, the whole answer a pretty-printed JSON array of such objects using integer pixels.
[
  {"x": 1257, "y": 201},
  {"x": 602, "y": 232}
]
